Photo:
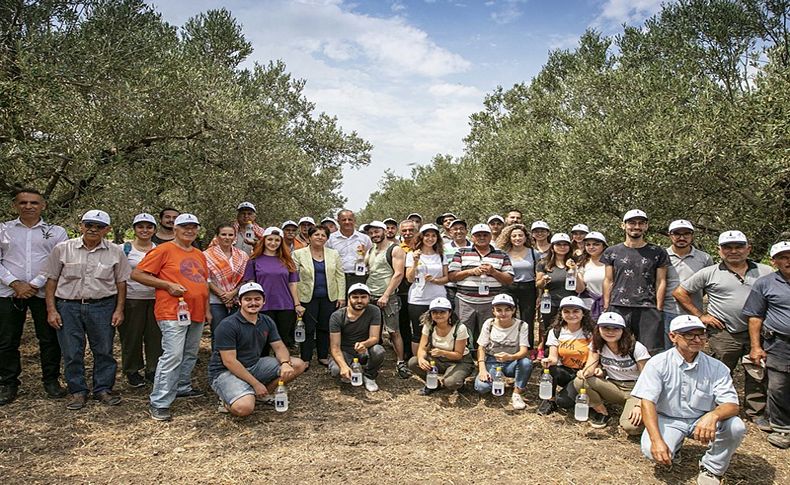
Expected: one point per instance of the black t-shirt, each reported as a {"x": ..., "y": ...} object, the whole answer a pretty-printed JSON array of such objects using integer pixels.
[
  {"x": 635, "y": 273},
  {"x": 356, "y": 331},
  {"x": 556, "y": 286},
  {"x": 249, "y": 341}
]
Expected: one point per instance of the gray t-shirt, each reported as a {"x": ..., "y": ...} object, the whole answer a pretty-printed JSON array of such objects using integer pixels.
[
  {"x": 680, "y": 269},
  {"x": 769, "y": 299},
  {"x": 634, "y": 274},
  {"x": 356, "y": 331},
  {"x": 727, "y": 291}
]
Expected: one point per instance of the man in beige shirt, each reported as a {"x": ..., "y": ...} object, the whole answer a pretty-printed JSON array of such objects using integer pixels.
[{"x": 85, "y": 295}]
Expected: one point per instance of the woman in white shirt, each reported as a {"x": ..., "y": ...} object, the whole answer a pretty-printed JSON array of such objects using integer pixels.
[
  {"x": 426, "y": 270},
  {"x": 613, "y": 366},
  {"x": 592, "y": 271}
]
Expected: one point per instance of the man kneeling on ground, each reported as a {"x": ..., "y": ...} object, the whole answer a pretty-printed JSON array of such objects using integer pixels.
[
  {"x": 687, "y": 393},
  {"x": 237, "y": 371}
]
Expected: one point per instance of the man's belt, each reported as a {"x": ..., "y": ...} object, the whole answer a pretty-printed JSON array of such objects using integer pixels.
[{"x": 87, "y": 301}]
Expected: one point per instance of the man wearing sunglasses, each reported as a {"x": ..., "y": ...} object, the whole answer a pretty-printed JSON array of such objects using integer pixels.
[
  {"x": 687, "y": 394},
  {"x": 85, "y": 295}
]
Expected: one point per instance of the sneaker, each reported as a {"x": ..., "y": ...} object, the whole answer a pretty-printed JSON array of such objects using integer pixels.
[
  {"x": 107, "y": 398},
  {"x": 7, "y": 394},
  {"x": 780, "y": 440},
  {"x": 149, "y": 377},
  {"x": 266, "y": 400},
  {"x": 403, "y": 370},
  {"x": 221, "y": 408},
  {"x": 762, "y": 424},
  {"x": 426, "y": 392},
  {"x": 54, "y": 390},
  {"x": 517, "y": 402},
  {"x": 705, "y": 477},
  {"x": 599, "y": 420},
  {"x": 546, "y": 407},
  {"x": 135, "y": 379},
  {"x": 370, "y": 384},
  {"x": 191, "y": 393},
  {"x": 159, "y": 414}
]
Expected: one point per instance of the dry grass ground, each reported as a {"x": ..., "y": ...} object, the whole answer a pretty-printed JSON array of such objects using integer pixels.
[{"x": 334, "y": 434}]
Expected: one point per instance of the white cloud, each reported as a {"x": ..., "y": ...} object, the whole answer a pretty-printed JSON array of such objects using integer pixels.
[
  {"x": 446, "y": 89},
  {"x": 559, "y": 41},
  {"x": 506, "y": 11},
  {"x": 617, "y": 12}
]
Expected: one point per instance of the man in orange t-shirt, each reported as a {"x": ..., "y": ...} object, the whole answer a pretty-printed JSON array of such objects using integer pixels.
[{"x": 179, "y": 272}]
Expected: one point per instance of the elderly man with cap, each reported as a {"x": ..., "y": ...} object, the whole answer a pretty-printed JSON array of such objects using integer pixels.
[
  {"x": 635, "y": 282},
  {"x": 392, "y": 230},
  {"x": 768, "y": 310},
  {"x": 25, "y": 244},
  {"x": 496, "y": 223},
  {"x": 302, "y": 239},
  {"x": 481, "y": 272},
  {"x": 248, "y": 232},
  {"x": 179, "y": 273},
  {"x": 416, "y": 218},
  {"x": 727, "y": 286},
  {"x": 330, "y": 224},
  {"x": 85, "y": 295},
  {"x": 290, "y": 229},
  {"x": 684, "y": 261},
  {"x": 354, "y": 333},
  {"x": 352, "y": 246},
  {"x": 240, "y": 370},
  {"x": 687, "y": 394},
  {"x": 385, "y": 262},
  {"x": 540, "y": 233}
]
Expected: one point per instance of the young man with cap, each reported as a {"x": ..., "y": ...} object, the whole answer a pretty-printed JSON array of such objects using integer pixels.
[
  {"x": 354, "y": 332},
  {"x": 392, "y": 230},
  {"x": 540, "y": 233},
  {"x": 635, "y": 282},
  {"x": 687, "y": 394},
  {"x": 727, "y": 286},
  {"x": 481, "y": 272},
  {"x": 25, "y": 245},
  {"x": 457, "y": 231},
  {"x": 496, "y": 223},
  {"x": 330, "y": 224},
  {"x": 85, "y": 295},
  {"x": 385, "y": 262},
  {"x": 302, "y": 239},
  {"x": 685, "y": 260},
  {"x": 179, "y": 272},
  {"x": 248, "y": 233},
  {"x": 416, "y": 218},
  {"x": 768, "y": 310},
  {"x": 239, "y": 371},
  {"x": 443, "y": 222},
  {"x": 351, "y": 244}
]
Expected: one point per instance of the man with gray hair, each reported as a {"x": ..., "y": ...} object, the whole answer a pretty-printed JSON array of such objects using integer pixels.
[{"x": 352, "y": 246}]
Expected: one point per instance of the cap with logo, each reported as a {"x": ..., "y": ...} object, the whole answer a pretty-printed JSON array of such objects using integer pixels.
[
  {"x": 580, "y": 228},
  {"x": 496, "y": 217},
  {"x": 272, "y": 230},
  {"x": 680, "y": 224},
  {"x": 251, "y": 286},
  {"x": 780, "y": 247},
  {"x": 574, "y": 301},
  {"x": 560, "y": 237},
  {"x": 685, "y": 323},
  {"x": 390, "y": 220},
  {"x": 428, "y": 227},
  {"x": 597, "y": 236},
  {"x": 288, "y": 223},
  {"x": 440, "y": 304},
  {"x": 503, "y": 299},
  {"x": 481, "y": 228},
  {"x": 539, "y": 225},
  {"x": 440, "y": 219},
  {"x": 634, "y": 214},
  {"x": 306, "y": 219},
  {"x": 374, "y": 224},
  {"x": 96, "y": 216},
  {"x": 143, "y": 217},
  {"x": 357, "y": 287},
  {"x": 246, "y": 205},
  {"x": 732, "y": 237},
  {"x": 611, "y": 319},
  {"x": 184, "y": 219}
]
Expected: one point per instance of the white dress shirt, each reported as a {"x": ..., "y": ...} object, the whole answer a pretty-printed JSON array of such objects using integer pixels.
[{"x": 24, "y": 252}]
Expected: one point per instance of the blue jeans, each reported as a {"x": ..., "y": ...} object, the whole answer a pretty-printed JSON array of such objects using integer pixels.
[
  {"x": 372, "y": 361},
  {"x": 729, "y": 435},
  {"x": 93, "y": 320},
  {"x": 180, "y": 344},
  {"x": 218, "y": 313},
  {"x": 230, "y": 388},
  {"x": 519, "y": 369}
]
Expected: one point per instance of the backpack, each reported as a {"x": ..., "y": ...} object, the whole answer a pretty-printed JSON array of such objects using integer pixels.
[
  {"x": 455, "y": 336},
  {"x": 490, "y": 325},
  {"x": 388, "y": 255}
]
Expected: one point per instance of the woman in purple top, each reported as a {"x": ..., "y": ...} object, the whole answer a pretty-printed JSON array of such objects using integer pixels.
[{"x": 271, "y": 266}]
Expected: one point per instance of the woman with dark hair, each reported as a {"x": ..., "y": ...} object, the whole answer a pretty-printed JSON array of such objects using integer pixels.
[
  {"x": 592, "y": 272},
  {"x": 426, "y": 270},
  {"x": 515, "y": 241},
  {"x": 321, "y": 288},
  {"x": 443, "y": 340},
  {"x": 551, "y": 275},
  {"x": 271, "y": 266},
  {"x": 568, "y": 342},
  {"x": 614, "y": 365},
  {"x": 226, "y": 265},
  {"x": 540, "y": 233}
]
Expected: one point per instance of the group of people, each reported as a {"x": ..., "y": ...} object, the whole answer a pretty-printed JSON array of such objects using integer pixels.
[{"x": 456, "y": 305}]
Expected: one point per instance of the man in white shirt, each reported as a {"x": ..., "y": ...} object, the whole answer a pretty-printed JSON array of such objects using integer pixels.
[
  {"x": 25, "y": 245},
  {"x": 352, "y": 246}
]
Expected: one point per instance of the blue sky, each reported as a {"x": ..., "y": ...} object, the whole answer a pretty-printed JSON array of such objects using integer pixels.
[{"x": 406, "y": 75}]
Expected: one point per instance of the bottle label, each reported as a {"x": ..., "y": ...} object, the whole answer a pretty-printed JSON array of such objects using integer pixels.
[{"x": 360, "y": 268}]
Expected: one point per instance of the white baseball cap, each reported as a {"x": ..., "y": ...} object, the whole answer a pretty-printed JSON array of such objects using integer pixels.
[
  {"x": 272, "y": 231},
  {"x": 372, "y": 224},
  {"x": 560, "y": 237},
  {"x": 251, "y": 286},
  {"x": 732, "y": 237},
  {"x": 633, "y": 214},
  {"x": 684, "y": 323},
  {"x": 414, "y": 214},
  {"x": 246, "y": 205},
  {"x": 503, "y": 299},
  {"x": 307, "y": 219},
  {"x": 596, "y": 236},
  {"x": 496, "y": 217},
  {"x": 186, "y": 218},
  {"x": 481, "y": 228},
  {"x": 390, "y": 219},
  {"x": 143, "y": 217},
  {"x": 539, "y": 225},
  {"x": 428, "y": 227},
  {"x": 458, "y": 221},
  {"x": 359, "y": 287},
  {"x": 580, "y": 228},
  {"x": 611, "y": 319},
  {"x": 440, "y": 304},
  {"x": 680, "y": 224},
  {"x": 288, "y": 223},
  {"x": 573, "y": 301},
  {"x": 94, "y": 215},
  {"x": 780, "y": 247},
  {"x": 329, "y": 219}
]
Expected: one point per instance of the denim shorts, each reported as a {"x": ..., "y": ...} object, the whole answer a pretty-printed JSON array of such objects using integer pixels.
[{"x": 230, "y": 388}]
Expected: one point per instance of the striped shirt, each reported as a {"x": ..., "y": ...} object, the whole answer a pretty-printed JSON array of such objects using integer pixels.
[{"x": 468, "y": 258}]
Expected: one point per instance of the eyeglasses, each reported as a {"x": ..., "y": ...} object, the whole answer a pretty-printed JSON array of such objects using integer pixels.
[
  {"x": 94, "y": 225},
  {"x": 689, "y": 337},
  {"x": 683, "y": 235}
]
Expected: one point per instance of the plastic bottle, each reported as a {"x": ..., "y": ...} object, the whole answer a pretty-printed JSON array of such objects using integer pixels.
[
  {"x": 281, "y": 398},
  {"x": 570, "y": 279},
  {"x": 498, "y": 387},
  {"x": 432, "y": 377},
  {"x": 356, "y": 373},
  {"x": 359, "y": 267},
  {"x": 299, "y": 331},
  {"x": 545, "y": 302},
  {"x": 582, "y": 410},
  {"x": 184, "y": 317},
  {"x": 546, "y": 385}
]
